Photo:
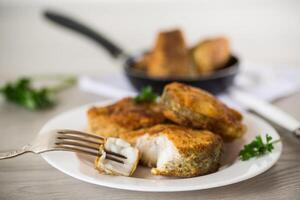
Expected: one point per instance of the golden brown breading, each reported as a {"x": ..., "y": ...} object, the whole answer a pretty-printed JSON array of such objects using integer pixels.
[
  {"x": 170, "y": 56},
  {"x": 193, "y": 107},
  {"x": 197, "y": 152},
  {"x": 211, "y": 54},
  {"x": 124, "y": 115},
  {"x": 143, "y": 62}
]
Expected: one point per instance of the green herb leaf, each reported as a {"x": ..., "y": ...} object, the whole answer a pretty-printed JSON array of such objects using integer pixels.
[
  {"x": 146, "y": 95},
  {"x": 257, "y": 148},
  {"x": 22, "y": 93}
]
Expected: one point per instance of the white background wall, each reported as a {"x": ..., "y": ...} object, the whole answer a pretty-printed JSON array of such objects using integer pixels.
[{"x": 261, "y": 31}]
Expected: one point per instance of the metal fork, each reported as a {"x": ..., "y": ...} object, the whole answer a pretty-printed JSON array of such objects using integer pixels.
[{"x": 66, "y": 140}]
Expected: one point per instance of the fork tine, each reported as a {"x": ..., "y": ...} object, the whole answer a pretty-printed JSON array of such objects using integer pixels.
[
  {"x": 80, "y": 150},
  {"x": 73, "y": 132},
  {"x": 114, "y": 159},
  {"x": 81, "y": 139},
  {"x": 75, "y": 138},
  {"x": 69, "y": 140},
  {"x": 77, "y": 144},
  {"x": 67, "y": 148},
  {"x": 115, "y": 154}
]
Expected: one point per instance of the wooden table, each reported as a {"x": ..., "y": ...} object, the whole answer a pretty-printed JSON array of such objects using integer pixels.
[
  {"x": 29, "y": 45},
  {"x": 30, "y": 177}
]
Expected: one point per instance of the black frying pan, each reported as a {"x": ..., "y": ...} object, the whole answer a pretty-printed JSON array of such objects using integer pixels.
[{"x": 215, "y": 83}]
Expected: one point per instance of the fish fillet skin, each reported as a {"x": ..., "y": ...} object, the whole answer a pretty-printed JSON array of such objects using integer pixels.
[
  {"x": 173, "y": 150},
  {"x": 124, "y": 115},
  {"x": 196, "y": 108},
  {"x": 116, "y": 145}
]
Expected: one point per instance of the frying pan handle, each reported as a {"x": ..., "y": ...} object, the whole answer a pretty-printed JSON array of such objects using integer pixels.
[{"x": 76, "y": 26}]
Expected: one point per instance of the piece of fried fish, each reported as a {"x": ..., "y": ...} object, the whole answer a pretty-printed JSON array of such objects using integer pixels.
[
  {"x": 116, "y": 145},
  {"x": 173, "y": 150},
  {"x": 193, "y": 107},
  {"x": 124, "y": 115}
]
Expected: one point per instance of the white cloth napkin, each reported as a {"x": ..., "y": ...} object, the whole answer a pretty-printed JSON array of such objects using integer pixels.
[{"x": 263, "y": 82}]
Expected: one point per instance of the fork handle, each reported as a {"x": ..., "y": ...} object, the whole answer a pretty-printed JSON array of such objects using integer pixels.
[
  {"x": 114, "y": 50},
  {"x": 14, "y": 153}
]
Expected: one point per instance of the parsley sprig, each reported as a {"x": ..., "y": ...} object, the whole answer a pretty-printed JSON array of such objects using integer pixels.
[
  {"x": 257, "y": 148},
  {"x": 23, "y": 93},
  {"x": 146, "y": 95}
]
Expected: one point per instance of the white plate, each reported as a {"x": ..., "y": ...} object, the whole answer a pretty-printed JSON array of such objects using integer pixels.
[{"x": 232, "y": 169}]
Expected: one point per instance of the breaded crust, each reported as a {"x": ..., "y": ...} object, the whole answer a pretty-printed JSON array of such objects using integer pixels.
[
  {"x": 169, "y": 57},
  {"x": 200, "y": 150},
  {"x": 211, "y": 54},
  {"x": 124, "y": 115},
  {"x": 193, "y": 107}
]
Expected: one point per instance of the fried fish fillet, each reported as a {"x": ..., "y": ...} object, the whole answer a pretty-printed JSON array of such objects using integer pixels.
[
  {"x": 174, "y": 150},
  {"x": 170, "y": 56},
  {"x": 211, "y": 54},
  {"x": 119, "y": 146},
  {"x": 193, "y": 107},
  {"x": 124, "y": 115}
]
